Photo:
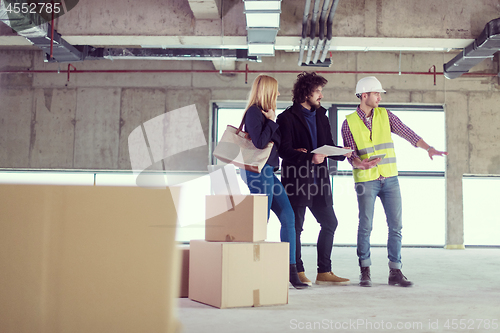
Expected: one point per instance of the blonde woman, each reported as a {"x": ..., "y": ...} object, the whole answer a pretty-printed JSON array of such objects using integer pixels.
[{"x": 259, "y": 124}]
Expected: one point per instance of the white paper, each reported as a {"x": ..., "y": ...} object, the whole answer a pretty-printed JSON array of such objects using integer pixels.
[{"x": 331, "y": 150}]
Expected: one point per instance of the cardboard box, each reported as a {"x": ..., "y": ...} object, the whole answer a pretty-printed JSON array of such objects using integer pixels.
[
  {"x": 184, "y": 286},
  {"x": 227, "y": 275},
  {"x": 87, "y": 259},
  {"x": 236, "y": 218}
]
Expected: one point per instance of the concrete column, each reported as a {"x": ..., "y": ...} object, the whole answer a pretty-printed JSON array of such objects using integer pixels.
[{"x": 457, "y": 142}]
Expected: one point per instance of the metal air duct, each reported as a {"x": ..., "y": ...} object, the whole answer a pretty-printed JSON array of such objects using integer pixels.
[
  {"x": 321, "y": 39},
  {"x": 329, "y": 28},
  {"x": 483, "y": 47},
  {"x": 173, "y": 54},
  {"x": 263, "y": 23},
  {"x": 303, "y": 40},
  {"x": 34, "y": 27},
  {"x": 312, "y": 34},
  {"x": 320, "y": 49}
]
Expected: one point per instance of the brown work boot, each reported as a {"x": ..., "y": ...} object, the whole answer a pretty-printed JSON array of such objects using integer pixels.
[
  {"x": 364, "y": 279},
  {"x": 331, "y": 279},
  {"x": 396, "y": 277},
  {"x": 303, "y": 278}
]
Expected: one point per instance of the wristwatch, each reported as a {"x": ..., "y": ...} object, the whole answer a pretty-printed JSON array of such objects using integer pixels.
[{"x": 430, "y": 147}]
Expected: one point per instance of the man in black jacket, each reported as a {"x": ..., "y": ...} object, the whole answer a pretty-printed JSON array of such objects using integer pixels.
[{"x": 304, "y": 127}]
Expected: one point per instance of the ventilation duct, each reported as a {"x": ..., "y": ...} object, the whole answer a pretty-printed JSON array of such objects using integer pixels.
[
  {"x": 62, "y": 51},
  {"x": 35, "y": 28},
  {"x": 26, "y": 25},
  {"x": 321, "y": 39},
  {"x": 303, "y": 40},
  {"x": 172, "y": 54},
  {"x": 329, "y": 28},
  {"x": 483, "y": 47},
  {"x": 263, "y": 23},
  {"x": 322, "y": 45},
  {"x": 312, "y": 33}
]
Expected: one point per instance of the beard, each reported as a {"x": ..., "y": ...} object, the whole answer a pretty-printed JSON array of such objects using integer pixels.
[{"x": 314, "y": 103}]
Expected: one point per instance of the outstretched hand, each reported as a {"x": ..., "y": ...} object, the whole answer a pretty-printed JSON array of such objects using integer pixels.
[{"x": 434, "y": 152}]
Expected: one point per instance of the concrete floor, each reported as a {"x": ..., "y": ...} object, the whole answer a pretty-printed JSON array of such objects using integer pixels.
[{"x": 454, "y": 291}]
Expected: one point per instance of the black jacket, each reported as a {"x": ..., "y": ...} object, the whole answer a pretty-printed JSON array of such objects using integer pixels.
[
  {"x": 261, "y": 131},
  {"x": 297, "y": 167}
]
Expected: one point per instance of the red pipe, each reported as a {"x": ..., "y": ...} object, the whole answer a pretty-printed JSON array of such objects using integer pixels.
[
  {"x": 430, "y": 69},
  {"x": 69, "y": 66},
  {"x": 246, "y": 74},
  {"x": 145, "y": 71}
]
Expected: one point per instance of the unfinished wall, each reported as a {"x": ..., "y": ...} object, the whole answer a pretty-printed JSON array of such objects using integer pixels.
[{"x": 47, "y": 121}]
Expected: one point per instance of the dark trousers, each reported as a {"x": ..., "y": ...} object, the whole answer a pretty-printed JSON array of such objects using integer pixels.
[{"x": 325, "y": 216}]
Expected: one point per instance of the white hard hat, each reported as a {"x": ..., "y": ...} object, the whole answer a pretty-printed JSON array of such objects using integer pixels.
[{"x": 369, "y": 84}]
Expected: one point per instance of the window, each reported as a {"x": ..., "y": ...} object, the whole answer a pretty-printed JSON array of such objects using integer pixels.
[{"x": 480, "y": 195}]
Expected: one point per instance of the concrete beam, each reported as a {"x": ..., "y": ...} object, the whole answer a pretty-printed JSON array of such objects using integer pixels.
[
  {"x": 283, "y": 43},
  {"x": 205, "y": 9},
  {"x": 224, "y": 64}
]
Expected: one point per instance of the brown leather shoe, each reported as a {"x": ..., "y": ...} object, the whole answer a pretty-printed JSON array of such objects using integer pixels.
[
  {"x": 364, "y": 279},
  {"x": 294, "y": 278},
  {"x": 331, "y": 279},
  {"x": 396, "y": 277},
  {"x": 303, "y": 278}
]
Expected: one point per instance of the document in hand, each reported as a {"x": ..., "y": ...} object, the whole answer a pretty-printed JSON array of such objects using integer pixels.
[{"x": 331, "y": 150}]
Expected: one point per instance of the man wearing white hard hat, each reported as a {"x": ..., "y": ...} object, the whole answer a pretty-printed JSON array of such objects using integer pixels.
[{"x": 368, "y": 132}]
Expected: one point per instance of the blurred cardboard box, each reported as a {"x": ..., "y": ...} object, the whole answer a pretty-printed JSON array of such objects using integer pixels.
[
  {"x": 234, "y": 274},
  {"x": 87, "y": 259},
  {"x": 236, "y": 218}
]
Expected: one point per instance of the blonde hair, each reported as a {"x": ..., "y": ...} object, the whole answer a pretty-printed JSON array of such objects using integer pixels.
[{"x": 264, "y": 93}]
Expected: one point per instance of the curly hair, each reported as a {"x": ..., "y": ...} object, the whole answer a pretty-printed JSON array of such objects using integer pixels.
[{"x": 305, "y": 85}]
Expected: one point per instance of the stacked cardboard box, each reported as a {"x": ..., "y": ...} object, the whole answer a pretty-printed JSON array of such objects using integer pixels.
[{"x": 234, "y": 266}]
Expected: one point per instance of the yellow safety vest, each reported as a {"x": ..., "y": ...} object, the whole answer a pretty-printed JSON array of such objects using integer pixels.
[{"x": 379, "y": 143}]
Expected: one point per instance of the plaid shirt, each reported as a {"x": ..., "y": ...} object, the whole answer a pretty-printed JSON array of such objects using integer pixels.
[{"x": 397, "y": 127}]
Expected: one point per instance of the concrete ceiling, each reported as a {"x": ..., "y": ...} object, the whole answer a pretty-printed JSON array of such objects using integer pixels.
[{"x": 359, "y": 25}]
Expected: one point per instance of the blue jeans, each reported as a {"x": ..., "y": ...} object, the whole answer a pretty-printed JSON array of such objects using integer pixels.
[
  {"x": 388, "y": 191},
  {"x": 267, "y": 183}
]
